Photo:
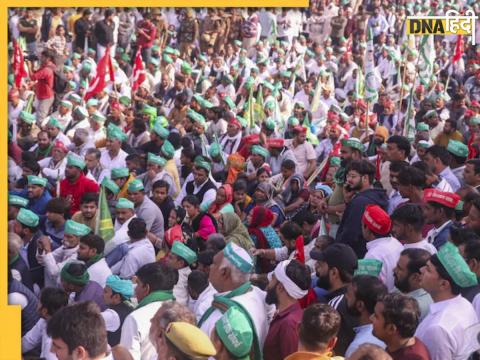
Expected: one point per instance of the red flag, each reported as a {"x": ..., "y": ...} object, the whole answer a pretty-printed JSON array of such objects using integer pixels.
[
  {"x": 458, "y": 49},
  {"x": 104, "y": 68},
  {"x": 138, "y": 72},
  {"x": 299, "y": 246},
  {"x": 18, "y": 64}
]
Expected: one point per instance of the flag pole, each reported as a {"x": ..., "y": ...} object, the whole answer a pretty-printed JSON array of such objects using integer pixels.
[{"x": 401, "y": 88}]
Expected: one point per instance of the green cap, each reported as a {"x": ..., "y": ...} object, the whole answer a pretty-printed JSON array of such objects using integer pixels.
[
  {"x": 160, "y": 130},
  {"x": 203, "y": 57},
  {"x": 430, "y": 114},
  {"x": 167, "y": 149},
  {"x": 124, "y": 100},
  {"x": 192, "y": 114},
  {"x": 98, "y": 117},
  {"x": 286, "y": 74},
  {"x": 162, "y": 120},
  {"x": 421, "y": 126},
  {"x": 354, "y": 144},
  {"x": 115, "y": 133},
  {"x": 135, "y": 185},
  {"x": 184, "y": 252},
  {"x": 242, "y": 121},
  {"x": 293, "y": 121},
  {"x": 27, "y": 117},
  {"x": 168, "y": 50},
  {"x": 214, "y": 150},
  {"x": 149, "y": 110},
  {"x": 76, "y": 55},
  {"x": 75, "y": 160},
  {"x": 81, "y": 112},
  {"x": 77, "y": 229},
  {"x": 423, "y": 144},
  {"x": 269, "y": 105},
  {"x": 457, "y": 148},
  {"x": 87, "y": 66},
  {"x": 270, "y": 124},
  {"x": 166, "y": 58},
  {"x": 235, "y": 332},
  {"x": 27, "y": 218},
  {"x": 201, "y": 163},
  {"x": 335, "y": 161},
  {"x": 239, "y": 257},
  {"x": 110, "y": 185},
  {"x": 120, "y": 173},
  {"x": 17, "y": 201},
  {"x": 456, "y": 266},
  {"x": 186, "y": 68},
  {"x": 155, "y": 159},
  {"x": 36, "y": 180},
  {"x": 369, "y": 267},
  {"x": 260, "y": 150},
  {"x": 54, "y": 122},
  {"x": 67, "y": 68},
  {"x": 75, "y": 97},
  {"x": 66, "y": 103},
  {"x": 123, "y": 203},
  {"x": 229, "y": 102},
  {"x": 92, "y": 102},
  {"x": 155, "y": 61}
]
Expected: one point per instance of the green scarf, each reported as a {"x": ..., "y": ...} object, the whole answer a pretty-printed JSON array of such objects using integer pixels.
[
  {"x": 76, "y": 280},
  {"x": 159, "y": 295},
  {"x": 44, "y": 153},
  {"x": 224, "y": 302},
  {"x": 13, "y": 260},
  {"x": 94, "y": 259},
  {"x": 235, "y": 292}
]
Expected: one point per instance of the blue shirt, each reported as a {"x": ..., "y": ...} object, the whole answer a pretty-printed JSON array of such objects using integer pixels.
[
  {"x": 450, "y": 177},
  {"x": 38, "y": 206},
  {"x": 363, "y": 335}
]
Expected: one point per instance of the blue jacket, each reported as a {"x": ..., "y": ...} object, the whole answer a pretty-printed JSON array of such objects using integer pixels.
[
  {"x": 350, "y": 229},
  {"x": 38, "y": 206}
]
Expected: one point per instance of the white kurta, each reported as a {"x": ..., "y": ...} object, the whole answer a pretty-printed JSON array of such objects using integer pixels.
[
  {"x": 180, "y": 290},
  {"x": 120, "y": 236},
  {"x": 139, "y": 253},
  {"x": 444, "y": 331},
  {"x": 99, "y": 272},
  {"x": 254, "y": 302},
  {"x": 204, "y": 301},
  {"x": 38, "y": 336},
  {"x": 387, "y": 250},
  {"x": 423, "y": 244},
  {"x": 54, "y": 262},
  {"x": 117, "y": 162},
  {"x": 135, "y": 331}
]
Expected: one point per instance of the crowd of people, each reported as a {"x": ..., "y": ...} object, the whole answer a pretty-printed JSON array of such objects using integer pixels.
[{"x": 293, "y": 183}]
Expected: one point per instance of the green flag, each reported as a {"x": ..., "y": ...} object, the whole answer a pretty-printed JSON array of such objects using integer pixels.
[
  {"x": 258, "y": 107},
  {"x": 372, "y": 82},
  {"x": 29, "y": 106},
  {"x": 104, "y": 227},
  {"x": 250, "y": 113}
]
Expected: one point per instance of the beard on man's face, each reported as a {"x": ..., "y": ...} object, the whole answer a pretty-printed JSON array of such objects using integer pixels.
[
  {"x": 401, "y": 284},
  {"x": 323, "y": 281},
  {"x": 272, "y": 298}
]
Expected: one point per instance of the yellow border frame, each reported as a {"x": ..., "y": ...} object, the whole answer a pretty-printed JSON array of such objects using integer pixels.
[{"x": 10, "y": 339}]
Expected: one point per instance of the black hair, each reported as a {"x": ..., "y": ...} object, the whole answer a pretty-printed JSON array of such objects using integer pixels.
[
  {"x": 449, "y": 212},
  {"x": 161, "y": 184},
  {"x": 476, "y": 165},
  {"x": 417, "y": 258},
  {"x": 401, "y": 311},
  {"x": 409, "y": 214},
  {"x": 32, "y": 165},
  {"x": 58, "y": 206},
  {"x": 139, "y": 124},
  {"x": 288, "y": 164},
  {"x": 198, "y": 281},
  {"x": 320, "y": 323},
  {"x": 192, "y": 200},
  {"x": 94, "y": 151},
  {"x": 368, "y": 290},
  {"x": 439, "y": 152},
  {"x": 299, "y": 274},
  {"x": 398, "y": 166},
  {"x": 460, "y": 235},
  {"x": 189, "y": 153},
  {"x": 422, "y": 166},
  {"x": 402, "y": 143},
  {"x": 206, "y": 257},
  {"x": 80, "y": 325},
  {"x": 137, "y": 229},
  {"x": 472, "y": 250},
  {"x": 290, "y": 230},
  {"x": 89, "y": 197},
  {"x": 240, "y": 185},
  {"x": 174, "y": 138},
  {"x": 53, "y": 299},
  {"x": 158, "y": 276},
  {"x": 412, "y": 176},
  {"x": 94, "y": 242},
  {"x": 363, "y": 167}
]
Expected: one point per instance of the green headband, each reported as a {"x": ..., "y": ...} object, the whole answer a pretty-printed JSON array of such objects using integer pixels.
[{"x": 77, "y": 280}]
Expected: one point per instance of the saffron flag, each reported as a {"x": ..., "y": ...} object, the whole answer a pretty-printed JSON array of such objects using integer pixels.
[
  {"x": 138, "y": 72},
  {"x": 104, "y": 69},
  {"x": 19, "y": 70},
  {"x": 104, "y": 227}
]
